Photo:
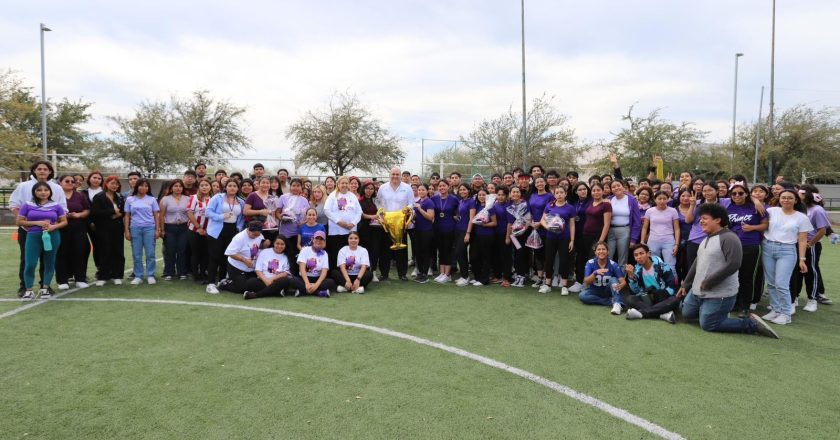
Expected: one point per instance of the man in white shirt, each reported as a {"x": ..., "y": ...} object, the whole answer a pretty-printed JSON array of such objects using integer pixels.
[{"x": 394, "y": 196}]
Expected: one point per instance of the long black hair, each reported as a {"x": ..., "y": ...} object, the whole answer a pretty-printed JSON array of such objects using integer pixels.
[{"x": 41, "y": 185}]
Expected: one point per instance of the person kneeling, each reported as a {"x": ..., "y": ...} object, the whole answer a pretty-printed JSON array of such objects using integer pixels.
[
  {"x": 242, "y": 253},
  {"x": 603, "y": 280},
  {"x": 711, "y": 284},
  {"x": 314, "y": 265},
  {"x": 652, "y": 283},
  {"x": 353, "y": 272},
  {"x": 272, "y": 270}
]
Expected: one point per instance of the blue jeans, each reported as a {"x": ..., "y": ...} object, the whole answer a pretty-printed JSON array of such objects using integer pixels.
[
  {"x": 143, "y": 239},
  {"x": 600, "y": 296},
  {"x": 664, "y": 249},
  {"x": 175, "y": 244},
  {"x": 779, "y": 260},
  {"x": 714, "y": 314}
]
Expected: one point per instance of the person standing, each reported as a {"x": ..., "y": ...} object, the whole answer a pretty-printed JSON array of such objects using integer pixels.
[
  {"x": 424, "y": 218},
  {"x": 558, "y": 220},
  {"x": 815, "y": 289},
  {"x": 370, "y": 231},
  {"x": 394, "y": 196},
  {"x": 446, "y": 209},
  {"x": 95, "y": 182},
  {"x": 142, "y": 228},
  {"x": 479, "y": 236},
  {"x": 225, "y": 219},
  {"x": 625, "y": 224},
  {"x": 173, "y": 211},
  {"x": 106, "y": 212},
  {"x": 43, "y": 218},
  {"x": 72, "y": 257},
  {"x": 748, "y": 224},
  {"x": 537, "y": 202},
  {"x": 291, "y": 208},
  {"x": 460, "y": 253},
  {"x": 661, "y": 229},
  {"x": 196, "y": 207}
]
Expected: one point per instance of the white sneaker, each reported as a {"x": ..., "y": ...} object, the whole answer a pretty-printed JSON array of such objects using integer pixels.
[
  {"x": 476, "y": 283},
  {"x": 635, "y": 314},
  {"x": 414, "y": 272},
  {"x": 136, "y": 281},
  {"x": 668, "y": 317},
  {"x": 462, "y": 282},
  {"x": 811, "y": 306},
  {"x": 796, "y": 302},
  {"x": 753, "y": 306},
  {"x": 29, "y": 295},
  {"x": 437, "y": 278},
  {"x": 340, "y": 289},
  {"x": 63, "y": 286},
  {"x": 564, "y": 291},
  {"x": 770, "y": 316},
  {"x": 545, "y": 288},
  {"x": 430, "y": 272},
  {"x": 212, "y": 289},
  {"x": 781, "y": 320},
  {"x": 100, "y": 283},
  {"x": 82, "y": 285},
  {"x": 576, "y": 287},
  {"x": 793, "y": 307},
  {"x": 536, "y": 278},
  {"x": 616, "y": 309},
  {"x": 537, "y": 284},
  {"x": 117, "y": 281},
  {"x": 375, "y": 279},
  {"x": 44, "y": 293},
  {"x": 360, "y": 290},
  {"x": 555, "y": 282},
  {"x": 151, "y": 280},
  {"x": 445, "y": 279}
]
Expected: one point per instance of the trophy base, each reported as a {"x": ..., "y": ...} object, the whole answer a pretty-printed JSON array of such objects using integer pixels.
[{"x": 397, "y": 247}]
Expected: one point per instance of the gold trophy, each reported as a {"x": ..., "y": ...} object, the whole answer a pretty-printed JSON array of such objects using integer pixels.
[{"x": 395, "y": 223}]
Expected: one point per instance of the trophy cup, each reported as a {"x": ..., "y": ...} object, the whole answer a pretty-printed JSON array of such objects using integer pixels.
[{"x": 395, "y": 223}]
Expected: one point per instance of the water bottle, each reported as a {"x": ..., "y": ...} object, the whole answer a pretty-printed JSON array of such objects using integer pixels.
[{"x": 47, "y": 240}]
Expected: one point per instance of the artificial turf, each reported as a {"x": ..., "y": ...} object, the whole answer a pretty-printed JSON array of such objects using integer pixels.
[{"x": 105, "y": 370}]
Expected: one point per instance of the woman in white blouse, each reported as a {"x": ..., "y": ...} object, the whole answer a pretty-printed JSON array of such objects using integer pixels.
[{"x": 344, "y": 213}]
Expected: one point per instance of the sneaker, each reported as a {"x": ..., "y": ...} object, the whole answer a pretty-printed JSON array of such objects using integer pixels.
[
  {"x": 151, "y": 280},
  {"x": 519, "y": 282},
  {"x": 762, "y": 328},
  {"x": 28, "y": 295},
  {"x": 564, "y": 291},
  {"x": 793, "y": 307},
  {"x": 166, "y": 278},
  {"x": 403, "y": 278},
  {"x": 21, "y": 291},
  {"x": 136, "y": 281},
  {"x": 445, "y": 279},
  {"x": 340, "y": 289},
  {"x": 811, "y": 306},
  {"x": 635, "y": 314},
  {"x": 324, "y": 294},
  {"x": 44, "y": 293},
  {"x": 422, "y": 279},
  {"x": 753, "y": 307},
  {"x": 537, "y": 284},
  {"x": 430, "y": 272},
  {"x": 297, "y": 293},
  {"x": 822, "y": 299},
  {"x": 462, "y": 282},
  {"x": 248, "y": 295},
  {"x": 536, "y": 278},
  {"x": 616, "y": 309},
  {"x": 770, "y": 316},
  {"x": 100, "y": 283},
  {"x": 669, "y": 317},
  {"x": 476, "y": 283},
  {"x": 182, "y": 277},
  {"x": 795, "y": 302},
  {"x": 63, "y": 286},
  {"x": 414, "y": 273},
  {"x": 360, "y": 290},
  {"x": 576, "y": 287},
  {"x": 81, "y": 285},
  {"x": 781, "y": 319},
  {"x": 212, "y": 289},
  {"x": 555, "y": 281},
  {"x": 118, "y": 281},
  {"x": 375, "y": 279},
  {"x": 224, "y": 282},
  {"x": 545, "y": 288}
]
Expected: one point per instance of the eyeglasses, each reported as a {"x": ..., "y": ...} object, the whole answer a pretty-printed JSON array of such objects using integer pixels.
[{"x": 739, "y": 193}]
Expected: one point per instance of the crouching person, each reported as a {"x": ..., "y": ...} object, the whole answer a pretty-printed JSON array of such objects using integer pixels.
[
  {"x": 272, "y": 271},
  {"x": 710, "y": 287},
  {"x": 242, "y": 253},
  {"x": 353, "y": 273},
  {"x": 314, "y": 266},
  {"x": 603, "y": 280},
  {"x": 652, "y": 285}
]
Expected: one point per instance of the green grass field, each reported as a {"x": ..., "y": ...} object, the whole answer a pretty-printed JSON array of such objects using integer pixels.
[{"x": 137, "y": 370}]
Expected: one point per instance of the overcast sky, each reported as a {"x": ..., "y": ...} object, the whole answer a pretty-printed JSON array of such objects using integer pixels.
[{"x": 430, "y": 69}]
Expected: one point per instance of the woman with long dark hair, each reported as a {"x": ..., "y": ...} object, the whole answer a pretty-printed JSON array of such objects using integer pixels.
[
  {"x": 95, "y": 182},
  {"x": 370, "y": 231},
  {"x": 176, "y": 234},
  {"x": 43, "y": 218},
  {"x": 446, "y": 209},
  {"x": 558, "y": 220},
  {"x": 196, "y": 212},
  {"x": 748, "y": 224},
  {"x": 582, "y": 201},
  {"x": 625, "y": 224},
  {"x": 501, "y": 262},
  {"x": 73, "y": 254},
  {"x": 462, "y": 234},
  {"x": 537, "y": 202},
  {"x": 143, "y": 227},
  {"x": 106, "y": 213},
  {"x": 225, "y": 220},
  {"x": 479, "y": 236},
  {"x": 424, "y": 218},
  {"x": 814, "y": 287}
]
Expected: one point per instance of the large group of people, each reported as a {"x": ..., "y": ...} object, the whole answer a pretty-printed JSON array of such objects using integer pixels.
[{"x": 652, "y": 248}]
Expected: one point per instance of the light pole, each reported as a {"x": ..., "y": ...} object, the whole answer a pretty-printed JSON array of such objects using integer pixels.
[
  {"x": 524, "y": 108},
  {"x": 770, "y": 126},
  {"x": 734, "y": 112},
  {"x": 44, "y": 28}
]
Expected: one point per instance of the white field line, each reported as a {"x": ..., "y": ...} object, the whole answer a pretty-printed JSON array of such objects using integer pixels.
[
  {"x": 562, "y": 389},
  {"x": 28, "y": 306}
]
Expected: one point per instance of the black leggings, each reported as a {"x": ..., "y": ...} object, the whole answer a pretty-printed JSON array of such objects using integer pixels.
[
  {"x": 216, "y": 259},
  {"x": 72, "y": 258},
  {"x": 691, "y": 249},
  {"x": 481, "y": 252},
  {"x": 111, "y": 248},
  {"x": 812, "y": 279},
  {"x": 334, "y": 244},
  {"x": 522, "y": 256},
  {"x": 584, "y": 254},
  {"x": 750, "y": 277},
  {"x": 338, "y": 277},
  {"x": 459, "y": 254},
  {"x": 292, "y": 253},
  {"x": 558, "y": 247},
  {"x": 422, "y": 242},
  {"x": 444, "y": 247},
  {"x": 199, "y": 253},
  {"x": 299, "y": 284},
  {"x": 661, "y": 303},
  {"x": 238, "y": 279},
  {"x": 260, "y": 290},
  {"x": 502, "y": 257}
]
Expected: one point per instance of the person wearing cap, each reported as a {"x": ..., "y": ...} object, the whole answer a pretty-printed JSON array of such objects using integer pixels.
[
  {"x": 242, "y": 253},
  {"x": 313, "y": 264},
  {"x": 394, "y": 196}
]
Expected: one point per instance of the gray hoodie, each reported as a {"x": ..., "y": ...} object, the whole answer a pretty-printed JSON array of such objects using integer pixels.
[{"x": 714, "y": 273}]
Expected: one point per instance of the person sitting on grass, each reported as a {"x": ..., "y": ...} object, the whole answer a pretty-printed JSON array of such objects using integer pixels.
[
  {"x": 603, "y": 280},
  {"x": 272, "y": 271},
  {"x": 242, "y": 253},
  {"x": 652, "y": 285},
  {"x": 314, "y": 265},
  {"x": 711, "y": 285},
  {"x": 353, "y": 272}
]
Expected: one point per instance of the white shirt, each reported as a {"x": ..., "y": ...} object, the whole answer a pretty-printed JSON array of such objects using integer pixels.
[
  {"x": 271, "y": 264},
  {"x": 342, "y": 208},
  {"x": 785, "y": 228},
  {"x": 353, "y": 260},
  {"x": 395, "y": 199},
  {"x": 23, "y": 194},
  {"x": 245, "y": 246},
  {"x": 315, "y": 262},
  {"x": 620, "y": 211}
]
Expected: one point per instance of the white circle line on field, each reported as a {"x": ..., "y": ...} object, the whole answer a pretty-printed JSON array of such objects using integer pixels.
[{"x": 559, "y": 388}]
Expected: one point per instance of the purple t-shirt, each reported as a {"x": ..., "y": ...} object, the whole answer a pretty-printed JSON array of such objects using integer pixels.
[
  {"x": 566, "y": 213},
  {"x": 420, "y": 222},
  {"x": 142, "y": 210},
  {"x": 445, "y": 212},
  {"x": 77, "y": 203},
  {"x": 819, "y": 219},
  {"x": 537, "y": 204},
  {"x": 500, "y": 210},
  {"x": 740, "y": 215},
  {"x": 464, "y": 207},
  {"x": 483, "y": 230},
  {"x": 35, "y": 213},
  {"x": 256, "y": 203},
  {"x": 661, "y": 223},
  {"x": 696, "y": 235}
]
